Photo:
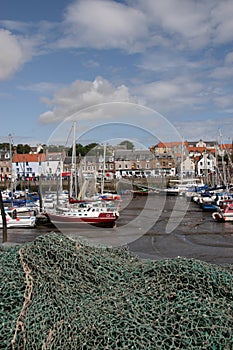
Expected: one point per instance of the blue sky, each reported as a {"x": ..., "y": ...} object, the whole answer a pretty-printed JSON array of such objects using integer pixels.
[{"x": 162, "y": 66}]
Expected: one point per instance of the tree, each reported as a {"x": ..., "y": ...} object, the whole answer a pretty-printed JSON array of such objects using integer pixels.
[
  {"x": 5, "y": 146},
  {"x": 127, "y": 144},
  {"x": 83, "y": 150},
  {"x": 23, "y": 149}
]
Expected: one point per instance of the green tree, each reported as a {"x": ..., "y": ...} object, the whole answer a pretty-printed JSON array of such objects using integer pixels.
[
  {"x": 23, "y": 149},
  {"x": 83, "y": 150},
  {"x": 5, "y": 146},
  {"x": 127, "y": 144}
]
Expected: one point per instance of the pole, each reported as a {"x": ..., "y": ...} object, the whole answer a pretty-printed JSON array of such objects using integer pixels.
[
  {"x": 4, "y": 227},
  {"x": 103, "y": 170}
]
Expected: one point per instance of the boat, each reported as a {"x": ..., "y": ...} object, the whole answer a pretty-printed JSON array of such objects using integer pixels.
[
  {"x": 225, "y": 212},
  {"x": 15, "y": 219},
  {"x": 96, "y": 213},
  {"x": 185, "y": 187},
  {"x": 209, "y": 207}
]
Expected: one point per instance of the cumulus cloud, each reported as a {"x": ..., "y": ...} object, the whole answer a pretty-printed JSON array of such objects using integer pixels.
[
  {"x": 12, "y": 55},
  {"x": 103, "y": 25},
  {"x": 80, "y": 95},
  {"x": 180, "y": 93}
]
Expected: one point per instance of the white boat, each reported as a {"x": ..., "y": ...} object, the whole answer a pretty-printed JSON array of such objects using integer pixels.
[
  {"x": 95, "y": 213},
  {"x": 14, "y": 219},
  {"x": 184, "y": 187}
]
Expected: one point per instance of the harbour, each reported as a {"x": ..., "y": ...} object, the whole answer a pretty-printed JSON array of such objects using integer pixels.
[{"x": 196, "y": 236}]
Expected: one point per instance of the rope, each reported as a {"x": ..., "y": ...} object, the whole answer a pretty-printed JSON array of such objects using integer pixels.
[{"x": 59, "y": 294}]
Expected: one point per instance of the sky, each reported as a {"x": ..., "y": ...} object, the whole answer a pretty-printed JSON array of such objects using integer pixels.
[{"x": 142, "y": 70}]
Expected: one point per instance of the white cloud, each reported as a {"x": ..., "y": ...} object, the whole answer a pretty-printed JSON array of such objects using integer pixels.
[
  {"x": 221, "y": 21},
  {"x": 104, "y": 24},
  {"x": 83, "y": 94},
  {"x": 190, "y": 23},
  {"x": 173, "y": 95},
  {"x": 12, "y": 56}
]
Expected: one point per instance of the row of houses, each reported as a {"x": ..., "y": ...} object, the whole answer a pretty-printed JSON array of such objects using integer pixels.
[{"x": 164, "y": 159}]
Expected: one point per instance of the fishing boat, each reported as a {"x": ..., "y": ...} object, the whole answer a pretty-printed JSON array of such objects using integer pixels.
[
  {"x": 94, "y": 213},
  {"x": 15, "y": 219}
]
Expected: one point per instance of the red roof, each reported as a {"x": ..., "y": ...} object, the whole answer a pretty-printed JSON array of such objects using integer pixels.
[
  {"x": 30, "y": 158},
  {"x": 196, "y": 149}
]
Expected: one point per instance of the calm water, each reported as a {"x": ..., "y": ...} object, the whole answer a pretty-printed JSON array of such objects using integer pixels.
[{"x": 156, "y": 227}]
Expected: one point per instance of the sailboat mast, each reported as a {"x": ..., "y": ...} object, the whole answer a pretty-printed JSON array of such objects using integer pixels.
[
  {"x": 223, "y": 162},
  {"x": 182, "y": 161},
  {"x": 73, "y": 177},
  {"x": 103, "y": 170},
  {"x": 10, "y": 150}
]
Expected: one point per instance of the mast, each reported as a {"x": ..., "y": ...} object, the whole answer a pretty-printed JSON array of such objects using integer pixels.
[
  {"x": 73, "y": 175},
  {"x": 223, "y": 162},
  {"x": 10, "y": 150},
  {"x": 103, "y": 170},
  {"x": 182, "y": 161}
]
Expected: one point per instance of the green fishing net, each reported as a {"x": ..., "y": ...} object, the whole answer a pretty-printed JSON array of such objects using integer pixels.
[{"x": 57, "y": 293}]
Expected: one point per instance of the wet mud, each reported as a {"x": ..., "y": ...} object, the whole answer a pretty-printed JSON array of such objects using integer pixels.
[{"x": 155, "y": 228}]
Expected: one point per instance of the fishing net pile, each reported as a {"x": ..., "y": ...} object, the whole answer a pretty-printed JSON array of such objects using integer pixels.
[{"x": 56, "y": 294}]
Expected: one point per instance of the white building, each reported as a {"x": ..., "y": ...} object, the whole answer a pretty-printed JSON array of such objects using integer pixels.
[{"x": 206, "y": 165}]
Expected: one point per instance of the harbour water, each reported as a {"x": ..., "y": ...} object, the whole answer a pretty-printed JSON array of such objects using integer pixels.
[{"x": 151, "y": 230}]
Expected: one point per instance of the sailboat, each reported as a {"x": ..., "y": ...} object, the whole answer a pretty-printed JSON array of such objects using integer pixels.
[{"x": 78, "y": 209}]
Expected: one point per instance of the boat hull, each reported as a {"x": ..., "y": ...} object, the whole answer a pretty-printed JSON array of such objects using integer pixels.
[
  {"x": 20, "y": 222},
  {"x": 104, "y": 219}
]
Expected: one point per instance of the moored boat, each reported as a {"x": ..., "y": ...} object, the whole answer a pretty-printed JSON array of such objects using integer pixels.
[
  {"x": 95, "y": 213},
  {"x": 14, "y": 219}
]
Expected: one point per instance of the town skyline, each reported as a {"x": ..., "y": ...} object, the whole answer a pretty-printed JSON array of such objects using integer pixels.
[{"x": 164, "y": 159}]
